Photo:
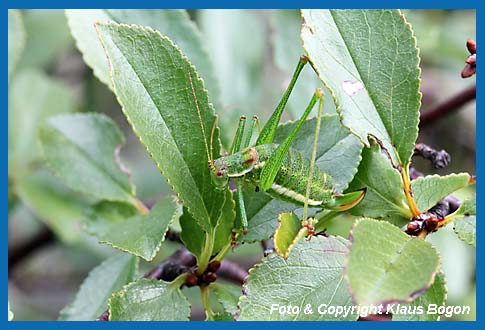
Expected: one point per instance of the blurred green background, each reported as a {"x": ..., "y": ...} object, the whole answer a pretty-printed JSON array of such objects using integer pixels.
[{"x": 254, "y": 53}]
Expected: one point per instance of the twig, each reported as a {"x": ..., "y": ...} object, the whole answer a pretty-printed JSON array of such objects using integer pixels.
[
  {"x": 232, "y": 271},
  {"x": 449, "y": 106},
  {"x": 268, "y": 247},
  {"x": 428, "y": 222},
  {"x": 18, "y": 254},
  {"x": 179, "y": 262},
  {"x": 439, "y": 159}
]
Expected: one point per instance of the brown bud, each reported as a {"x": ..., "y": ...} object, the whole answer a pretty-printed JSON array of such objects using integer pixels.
[
  {"x": 191, "y": 280},
  {"x": 413, "y": 228},
  {"x": 214, "y": 266},
  {"x": 209, "y": 277},
  {"x": 472, "y": 46},
  {"x": 472, "y": 59},
  {"x": 431, "y": 224},
  {"x": 468, "y": 71}
]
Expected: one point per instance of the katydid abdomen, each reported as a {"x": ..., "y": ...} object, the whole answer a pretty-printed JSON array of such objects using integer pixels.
[{"x": 292, "y": 179}]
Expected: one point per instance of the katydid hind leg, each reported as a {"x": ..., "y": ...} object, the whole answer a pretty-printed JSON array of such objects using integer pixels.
[
  {"x": 267, "y": 133},
  {"x": 242, "y": 207},
  {"x": 273, "y": 164}
]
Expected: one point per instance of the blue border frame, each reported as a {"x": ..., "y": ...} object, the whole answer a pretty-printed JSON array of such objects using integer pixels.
[{"x": 411, "y": 4}]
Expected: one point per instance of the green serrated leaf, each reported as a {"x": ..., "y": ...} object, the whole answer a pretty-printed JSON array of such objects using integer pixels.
[
  {"x": 312, "y": 275},
  {"x": 386, "y": 265},
  {"x": 429, "y": 190},
  {"x": 385, "y": 194},
  {"x": 16, "y": 39},
  {"x": 167, "y": 122},
  {"x": 99, "y": 218},
  {"x": 338, "y": 154},
  {"x": 289, "y": 225},
  {"x": 83, "y": 150},
  {"x": 369, "y": 60},
  {"x": 149, "y": 300},
  {"x": 55, "y": 205},
  {"x": 227, "y": 297},
  {"x": 419, "y": 309},
  {"x": 465, "y": 222},
  {"x": 33, "y": 96},
  {"x": 142, "y": 235},
  {"x": 92, "y": 298},
  {"x": 175, "y": 24}
]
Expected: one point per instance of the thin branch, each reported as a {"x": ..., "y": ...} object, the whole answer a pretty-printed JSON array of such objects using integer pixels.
[
  {"x": 179, "y": 262},
  {"x": 428, "y": 222},
  {"x": 439, "y": 159},
  {"x": 449, "y": 106},
  {"x": 232, "y": 271}
]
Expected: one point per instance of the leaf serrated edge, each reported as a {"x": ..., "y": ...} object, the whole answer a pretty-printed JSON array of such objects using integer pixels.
[
  {"x": 414, "y": 294},
  {"x": 293, "y": 243},
  {"x": 153, "y": 281},
  {"x": 176, "y": 214},
  {"x": 247, "y": 280},
  {"x": 444, "y": 177},
  {"x": 199, "y": 79},
  {"x": 57, "y": 174},
  {"x": 420, "y": 94}
]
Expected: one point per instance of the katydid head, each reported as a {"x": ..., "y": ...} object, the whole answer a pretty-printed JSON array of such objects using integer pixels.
[
  {"x": 219, "y": 174},
  {"x": 234, "y": 166}
]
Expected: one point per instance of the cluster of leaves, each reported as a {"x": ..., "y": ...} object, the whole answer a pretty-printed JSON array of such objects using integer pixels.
[{"x": 367, "y": 60}]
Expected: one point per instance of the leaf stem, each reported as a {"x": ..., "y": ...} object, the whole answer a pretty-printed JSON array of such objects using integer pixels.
[
  {"x": 206, "y": 253},
  {"x": 413, "y": 207},
  {"x": 222, "y": 253},
  {"x": 205, "y": 294}
]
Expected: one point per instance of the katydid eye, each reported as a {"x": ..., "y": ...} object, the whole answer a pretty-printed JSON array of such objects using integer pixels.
[{"x": 220, "y": 173}]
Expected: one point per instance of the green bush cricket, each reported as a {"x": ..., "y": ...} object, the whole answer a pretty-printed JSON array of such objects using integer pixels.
[{"x": 280, "y": 171}]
